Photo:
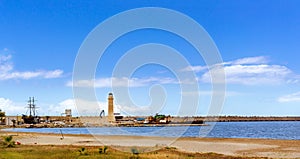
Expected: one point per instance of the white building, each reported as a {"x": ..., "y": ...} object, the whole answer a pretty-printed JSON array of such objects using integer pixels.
[{"x": 9, "y": 120}]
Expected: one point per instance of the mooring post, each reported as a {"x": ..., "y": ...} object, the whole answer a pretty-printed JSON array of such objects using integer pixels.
[{"x": 62, "y": 135}]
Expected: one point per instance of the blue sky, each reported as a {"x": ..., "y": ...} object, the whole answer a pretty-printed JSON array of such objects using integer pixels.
[{"x": 258, "y": 41}]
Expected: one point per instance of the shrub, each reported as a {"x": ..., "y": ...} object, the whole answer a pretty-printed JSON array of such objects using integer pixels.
[
  {"x": 102, "y": 150},
  {"x": 105, "y": 148},
  {"x": 82, "y": 151},
  {"x": 134, "y": 151},
  {"x": 170, "y": 148},
  {"x": 8, "y": 141}
]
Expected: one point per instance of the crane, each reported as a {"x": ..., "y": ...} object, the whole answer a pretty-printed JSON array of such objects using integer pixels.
[{"x": 102, "y": 113}]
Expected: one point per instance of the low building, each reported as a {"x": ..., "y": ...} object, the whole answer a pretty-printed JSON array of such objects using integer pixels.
[{"x": 12, "y": 120}]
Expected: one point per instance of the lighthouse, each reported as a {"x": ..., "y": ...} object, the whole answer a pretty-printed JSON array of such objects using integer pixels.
[{"x": 111, "y": 117}]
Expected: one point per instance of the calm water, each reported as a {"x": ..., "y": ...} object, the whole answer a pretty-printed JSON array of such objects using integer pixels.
[{"x": 269, "y": 130}]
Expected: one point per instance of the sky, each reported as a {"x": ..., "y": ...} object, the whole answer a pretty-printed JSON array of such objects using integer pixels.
[{"x": 258, "y": 42}]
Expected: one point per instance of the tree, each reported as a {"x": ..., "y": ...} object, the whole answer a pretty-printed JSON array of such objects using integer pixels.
[{"x": 2, "y": 116}]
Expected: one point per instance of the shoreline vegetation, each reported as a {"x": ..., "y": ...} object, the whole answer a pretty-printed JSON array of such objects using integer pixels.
[
  {"x": 70, "y": 152},
  {"x": 94, "y": 152},
  {"x": 145, "y": 147}
]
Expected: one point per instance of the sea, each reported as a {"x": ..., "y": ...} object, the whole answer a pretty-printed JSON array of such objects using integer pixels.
[{"x": 264, "y": 130}]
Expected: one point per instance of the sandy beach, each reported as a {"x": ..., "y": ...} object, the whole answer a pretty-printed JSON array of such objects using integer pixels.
[{"x": 233, "y": 147}]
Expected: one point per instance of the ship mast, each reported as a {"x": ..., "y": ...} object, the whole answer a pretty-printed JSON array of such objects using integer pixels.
[{"x": 32, "y": 107}]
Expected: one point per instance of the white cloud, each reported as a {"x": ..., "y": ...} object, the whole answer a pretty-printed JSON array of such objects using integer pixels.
[
  {"x": 31, "y": 74},
  {"x": 53, "y": 74},
  {"x": 194, "y": 68},
  {"x": 121, "y": 82},
  {"x": 210, "y": 93},
  {"x": 7, "y": 71},
  {"x": 80, "y": 108},
  {"x": 4, "y": 58},
  {"x": 250, "y": 71},
  {"x": 242, "y": 61},
  {"x": 295, "y": 97},
  {"x": 93, "y": 108},
  {"x": 11, "y": 108},
  {"x": 138, "y": 110},
  {"x": 245, "y": 71},
  {"x": 250, "y": 60},
  {"x": 59, "y": 108},
  {"x": 253, "y": 74}
]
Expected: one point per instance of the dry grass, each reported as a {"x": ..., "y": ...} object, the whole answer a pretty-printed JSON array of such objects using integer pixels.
[{"x": 59, "y": 152}]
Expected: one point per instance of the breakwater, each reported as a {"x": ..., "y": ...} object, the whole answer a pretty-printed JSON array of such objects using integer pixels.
[
  {"x": 96, "y": 121},
  {"x": 247, "y": 118}
]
